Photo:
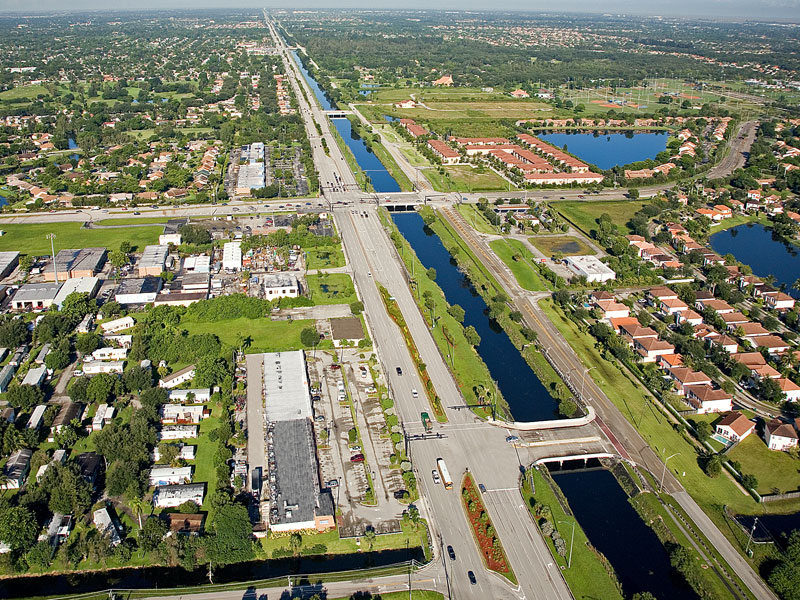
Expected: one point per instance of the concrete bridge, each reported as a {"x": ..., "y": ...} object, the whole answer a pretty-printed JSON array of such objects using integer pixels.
[{"x": 338, "y": 114}]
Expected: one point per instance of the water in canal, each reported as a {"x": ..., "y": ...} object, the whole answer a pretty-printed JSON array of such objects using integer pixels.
[
  {"x": 755, "y": 245},
  {"x": 382, "y": 181},
  {"x": 611, "y": 149},
  {"x": 323, "y": 99},
  {"x": 616, "y": 530},
  {"x": 527, "y": 398},
  {"x": 770, "y": 527}
]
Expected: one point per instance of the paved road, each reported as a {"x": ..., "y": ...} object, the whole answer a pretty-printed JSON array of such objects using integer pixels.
[
  {"x": 738, "y": 152},
  {"x": 624, "y": 436}
]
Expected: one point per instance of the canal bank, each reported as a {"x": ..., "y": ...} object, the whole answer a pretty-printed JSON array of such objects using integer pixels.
[{"x": 526, "y": 397}]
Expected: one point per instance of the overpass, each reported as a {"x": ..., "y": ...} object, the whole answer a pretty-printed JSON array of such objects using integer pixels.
[{"x": 338, "y": 114}]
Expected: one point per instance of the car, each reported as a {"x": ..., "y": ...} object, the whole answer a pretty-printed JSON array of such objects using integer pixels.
[
  {"x": 512, "y": 438},
  {"x": 482, "y": 488},
  {"x": 400, "y": 494},
  {"x": 335, "y": 367},
  {"x": 472, "y": 578},
  {"x": 414, "y": 394},
  {"x": 357, "y": 458},
  {"x": 319, "y": 418},
  {"x": 355, "y": 448},
  {"x": 436, "y": 479},
  {"x": 369, "y": 274},
  {"x": 136, "y": 212},
  {"x": 333, "y": 483},
  {"x": 451, "y": 553},
  {"x": 316, "y": 398},
  {"x": 399, "y": 370}
]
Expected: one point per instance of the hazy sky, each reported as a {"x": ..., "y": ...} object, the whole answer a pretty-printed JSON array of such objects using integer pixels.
[{"x": 760, "y": 9}]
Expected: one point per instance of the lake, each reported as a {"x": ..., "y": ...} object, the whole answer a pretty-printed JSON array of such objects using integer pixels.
[
  {"x": 527, "y": 398},
  {"x": 609, "y": 150},
  {"x": 615, "y": 529},
  {"x": 756, "y": 245}
]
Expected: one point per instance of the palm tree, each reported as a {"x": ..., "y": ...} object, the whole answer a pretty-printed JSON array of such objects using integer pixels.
[{"x": 138, "y": 506}]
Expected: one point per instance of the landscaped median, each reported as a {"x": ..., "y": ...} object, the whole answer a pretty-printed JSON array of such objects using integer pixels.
[{"x": 489, "y": 544}]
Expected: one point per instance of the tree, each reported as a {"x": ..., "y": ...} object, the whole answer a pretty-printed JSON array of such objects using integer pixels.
[
  {"x": 431, "y": 273},
  {"x": 309, "y": 337},
  {"x": 58, "y": 358},
  {"x": 168, "y": 452},
  {"x": 152, "y": 533},
  {"x": 26, "y": 263},
  {"x": 86, "y": 343},
  {"x": 99, "y": 388},
  {"x": 633, "y": 193},
  {"x": 40, "y": 556},
  {"x": 471, "y": 335},
  {"x": 13, "y": 333},
  {"x": 369, "y": 537},
  {"x": 713, "y": 466},
  {"x": 24, "y": 397},
  {"x": 77, "y": 389},
  {"x": 18, "y": 527},
  {"x": 295, "y": 543},
  {"x": 456, "y": 312},
  {"x": 210, "y": 371},
  {"x": 125, "y": 247},
  {"x": 138, "y": 378},
  {"x": 118, "y": 259},
  {"x": 194, "y": 235},
  {"x": 357, "y": 307},
  {"x": 139, "y": 506},
  {"x": 232, "y": 532}
]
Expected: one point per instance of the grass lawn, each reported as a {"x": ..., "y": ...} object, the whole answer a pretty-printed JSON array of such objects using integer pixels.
[
  {"x": 133, "y": 221},
  {"x": 566, "y": 244},
  {"x": 331, "y": 288},
  {"x": 476, "y": 218},
  {"x": 464, "y": 178},
  {"x": 587, "y": 578},
  {"x": 775, "y": 471},
  {"x": 204, "y": 471},
  {"x": 325, "y": 258},
  {"x": 267, "y": 335},
  {"x": 29, "y": 238},
  {"x": 524, "y": 271},
  {"x": 24, "y": 91},
  {"x": 584, "y": 215}
]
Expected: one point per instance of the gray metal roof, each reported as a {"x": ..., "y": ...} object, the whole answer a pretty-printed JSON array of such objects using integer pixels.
[
  {"x": 287, "y": 396},
  {"x": 36, "y": 292}
]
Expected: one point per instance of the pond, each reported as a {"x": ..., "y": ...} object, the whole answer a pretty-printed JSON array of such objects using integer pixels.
[
  {"x": 527, "y": 398},
  {"x": 610, "y": 149},
  {"x": 381, "y": 179},
  {"x": 390, "y": 118},
  {"x": 615, "y": 529},
  {"x": 770, "y": 527},
  {"x": 757, "y": 246}
]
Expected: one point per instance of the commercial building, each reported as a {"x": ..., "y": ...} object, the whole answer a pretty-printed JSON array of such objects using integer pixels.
[
  {"x": 232, "y": 256},
  {"x": 77, "y": 285},
  {"x": 589, "y": 267},
  {"x": 177, "y": 378},
  {"x": 346, "y": 331},
  {"x": 166, "y": 475},
  {"x": 197, "y": 264},
  {"x": 73, "y": 263},
  {"x": 252, "y": 174},
  {"x": 138, "y": 291},
  {"x": 172, "y": 233},
  {"x": 33, "y": 296},
  {"x": 281, "y": 285},
  {"x": 153, "y": 260},
  {"x": 170, "y": 496},
  {"x": 8, "y": 262}
]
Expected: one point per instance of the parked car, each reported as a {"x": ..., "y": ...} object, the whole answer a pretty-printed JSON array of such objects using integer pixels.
[
  {"x": 335, "y": 367},
  {"x": 319, "y": 418},
  {"x": 357, "y": 458},
  {"x": 451, "y": 553},
  {"x": 333, "y": 483},
  {"x": 355, "y": 448},
  {"x": 512, "y": 438},
  {"x": 399, "y": 370},
  {"x": 400, "y": 494}
]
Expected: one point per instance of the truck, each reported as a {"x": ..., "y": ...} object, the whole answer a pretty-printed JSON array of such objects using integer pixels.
[
  {"x": 444, "y": 474},
  {"x": 426, "y": 422}
]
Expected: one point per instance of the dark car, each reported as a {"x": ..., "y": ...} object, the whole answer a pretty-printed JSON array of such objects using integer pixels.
[
  {"x": 451, "y": 553},
  {"x": 357, "y": 458},
  {"x": 399, "y": 370},
  {"x": 400, "y": 494},
  {"x": 471, "y": 576},
  {"x": 482, "y": 488}
]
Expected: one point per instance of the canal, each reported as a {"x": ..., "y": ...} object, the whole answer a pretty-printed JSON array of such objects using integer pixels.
[
  {"x": 381, "y": 179},
  {"x": 169, "y": 577},
  {"x": 527, "y": 398},
  {"x": 611, "y": 149},
  {"x": 757, "y": 246},
  {"x": 615, "y": 529}
]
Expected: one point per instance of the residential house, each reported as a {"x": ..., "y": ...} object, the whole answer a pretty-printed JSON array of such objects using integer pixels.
[
  {"x": 685, "y": 378},
  {"x": 735, "y": 426},
  {"x": 707, "y": 399},
  {"x": 170, "y": 496},
  {"x": 651, "y": 348},
  {"x": 107, "y": 526},
  {"x": 780, "y": 435},
  {"x": 773, "y": 343},
  {"x": 16, "y": 469},
  {"x": 178, "y": 377},
  {"x": 791, "y": 391}
]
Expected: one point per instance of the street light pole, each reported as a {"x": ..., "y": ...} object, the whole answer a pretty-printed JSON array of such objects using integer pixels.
[
  {"x": 571, "y": 542},
  {"x": 583, "y": 379},
  {"x": 51, "y": 237},
  {"x": 664, "y": 472},
  {"x": 750, "y": 537}
]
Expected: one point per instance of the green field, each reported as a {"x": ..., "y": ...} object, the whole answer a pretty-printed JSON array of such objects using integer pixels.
[
  {"x": 565, "y": 244},
  {"x": 29, "y": 238},
  {"x": 331, "y": 288},
  {"x": 775, "y": 471},
  {"x": 524, "y": 271},
  {"x": 463, "y": 178},
  {"x": 324, "y": 258},
  {"x": 584, "y": 214},
  {"x": 132, "y": 221},
  {"x": 26, "y": 91},
  {"x": 266, "y": 335},
  {"x": 476, "y": 218}
]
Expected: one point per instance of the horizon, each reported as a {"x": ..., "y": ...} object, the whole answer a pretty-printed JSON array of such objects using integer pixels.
[{"x": 761, "y": 11}]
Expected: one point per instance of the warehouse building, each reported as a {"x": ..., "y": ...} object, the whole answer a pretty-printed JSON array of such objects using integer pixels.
[
  {"x": 138, "y": 291},
  {"x": 78, "y": 262},
  {"x": 77, "y": 285},
  {"x": 8, "y": 262},
  {"x": 35, "y": 296},
  {"x": 232, "y": 256},
  {"x": 153, "y": 261},
  {"x": 589, "y": 267}
]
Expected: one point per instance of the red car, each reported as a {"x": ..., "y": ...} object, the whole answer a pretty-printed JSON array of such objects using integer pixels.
[{"x": 357, "y": 458}]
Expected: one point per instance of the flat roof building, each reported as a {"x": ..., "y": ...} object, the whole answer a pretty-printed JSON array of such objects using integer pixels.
[
  {"x": 6, "y": 375},
  {"x": 589, "y": 267},
  {"x": 170, "y": 496},
  {"x": 77, "y": 285},
  {"x": 286, "y": 392},
  {"x": 16, "y": 468},
  {"x": 153, "y": 260},
  {"x": 346, "y": 331},
  {"x": 78, "y": 262},
  {"x": 281, "y": 285},
  {"x": 35, "y": 376},
  {"x": 232, "y": 256},
  {"x": 138, "y": 291},
  {"x": 32, "y": 296},
  {"x": 8, "y": 262}
]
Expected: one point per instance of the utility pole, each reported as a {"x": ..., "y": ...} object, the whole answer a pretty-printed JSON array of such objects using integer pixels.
[
  {"x": 51, "y": 237},
  {"x": 750, "y": 537},
  {"x": 664, "y": 472},
  {"x": 571, "y": 542}
]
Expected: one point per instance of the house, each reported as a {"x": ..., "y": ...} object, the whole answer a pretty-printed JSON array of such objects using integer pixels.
[
  {"x": 671, "y": 306},
  {"x": 779, "y": 301},
  {"x": 718, "y": 306},
  {"x": 589, "y": 267},
  {"x": 110, "y": 353},
  {"x": 117, "y": 325},
  {"x": 773, "y": 343},
  {"x": 177, "y": 414},
  {"x": 748, "y": 329},
  {"x": 658, "y": 294},
  {"x": 16, "y": 469},
  {"x": 729, "y": 344},
  {"x": 780, "y": 435},
  {"x": 106, "y": 526},
  {"x": 634, "y": 331},
  {"x": 520, "y": 93},
  {"x": 685, "y": 378},
  {"x": 707, "y": 399},
  {"x": 406, "y": 104},
  {"x": 89, "y": 466},
  {"x": 791, "y": 391},
  {"x": 447, "y": 155},
  {"x": 612, "y": 309},
  {"x": 733, "y": 318},
  {"x": 6, "y": 375},
  {"x": 170, "y": 496},
  {"x": 735, "y": 426},
  {"x": 651, "y": 348},
  {"x": 185, "y": 524},
  {"x": 8, "y": 414},
  {"x": 37, "y": 417},
  {"x": 178, "y": 377},
  {"x": 446, "y": 80},
  {"x": 94, "y": 367},
  {"x": 58, "y": 529},
  {"x": 35, "y": 376},
  {"x": 167, "y": 475},
  {"x": 185, "y": 452},
  {"x": 689, "y": 316},
  {"x": 102, "y": 417},
  {"x": 70, "y": 411},
  {"x": 346, "y": 331},
  {"x": 177, "y": 432},
  {"x": 191, "y": 396},
  {"x": 669, "y": 361}
]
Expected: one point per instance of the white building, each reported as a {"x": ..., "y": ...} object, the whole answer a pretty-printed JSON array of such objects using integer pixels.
[
  {"x": 106, "y": 526},
  {"x": 77, "y": 285},
  {"x": 102, "y": 417},
  {"x": 177, "y": 378},
  {"x": 35, "y": 377},
  {"x": 110, "y": 353},
  {"x": 589, "y": 267},
  {"x": 117, "y": 325},
  {"x": 185, "y": 453},
  {"x": 780, "y": 435},
  {"x": 177, "y": 432},
  {"x": 170, "y": 496},
  {"x": 281, "y": 285},
  {"x": 165, "y": 239},
  {"x": 123, "y": 340},
  {"x": 166, "y": 475},
  {"x": 37, "y": 417},
  {"x": 6, "y": 375},
  {"x": 191, "y": 396},
  {"x": 197, "y": 264},
  {"x": 178, "y": 414},
  {"x": 94, "y": 367},
  {"x": 232, "y": 256}
]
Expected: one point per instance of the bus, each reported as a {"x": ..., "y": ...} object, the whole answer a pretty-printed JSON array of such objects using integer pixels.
[{"x": 448, "y": 483}]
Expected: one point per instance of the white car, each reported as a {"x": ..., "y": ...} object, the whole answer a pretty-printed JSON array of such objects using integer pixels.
[
  {"x": 414, "y": 394},
  {"x": 436, "y": 479}
]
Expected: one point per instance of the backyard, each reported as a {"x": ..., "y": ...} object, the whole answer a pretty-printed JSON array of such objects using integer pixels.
[{"x": 776, "y": 471}]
